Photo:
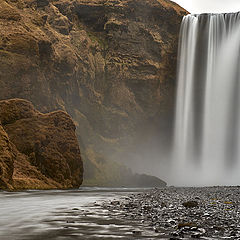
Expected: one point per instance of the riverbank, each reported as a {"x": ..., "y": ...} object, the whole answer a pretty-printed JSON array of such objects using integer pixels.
[
  {"x": 184, "y": 213},
  {"x": 121, "y": 213}
]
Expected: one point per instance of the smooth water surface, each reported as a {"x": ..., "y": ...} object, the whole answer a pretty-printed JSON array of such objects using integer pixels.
[{"x": 73, "y": 214}]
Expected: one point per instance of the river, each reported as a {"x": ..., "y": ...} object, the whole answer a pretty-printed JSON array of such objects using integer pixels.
[{"x": 71, "y": 214}]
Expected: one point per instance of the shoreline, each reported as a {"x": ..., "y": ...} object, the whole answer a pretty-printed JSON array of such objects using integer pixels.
[{"x": 185, "y": 212}]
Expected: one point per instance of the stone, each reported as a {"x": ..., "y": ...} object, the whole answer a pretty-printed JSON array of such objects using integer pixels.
[
  {"x": 37, "y": 151},
  {"x": 42, "y": 3},
  {"x": 190, "y": 223},
  {"x": 190, "y": 204},
  {"x": 137, "y": 233}
]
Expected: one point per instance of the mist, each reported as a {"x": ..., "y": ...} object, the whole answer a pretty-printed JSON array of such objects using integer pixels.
[{"x": 201, "y": 145}]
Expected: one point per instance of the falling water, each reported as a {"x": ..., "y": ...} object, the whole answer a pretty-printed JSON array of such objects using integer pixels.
[{"x": 207, "y": 120}]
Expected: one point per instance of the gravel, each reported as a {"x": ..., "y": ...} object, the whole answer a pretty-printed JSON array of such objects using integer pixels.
[{"x": 184, "y": 213}]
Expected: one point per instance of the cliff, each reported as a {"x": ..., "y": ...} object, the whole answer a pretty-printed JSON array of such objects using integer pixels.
[
  {"x": 37, "y": 151},
  {"x": 110, "y": 64}
]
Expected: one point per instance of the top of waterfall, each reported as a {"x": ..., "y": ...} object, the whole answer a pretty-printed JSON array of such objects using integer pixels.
[{"x": 213, "y": 14}]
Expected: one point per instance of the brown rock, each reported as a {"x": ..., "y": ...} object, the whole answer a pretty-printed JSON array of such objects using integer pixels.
[
  {"x": 7, "y": 157},
  {"x": 190, "y": 204},
  {"x": 110, "y": 64},
  {"x": 7, "y": 12},
  {"x": 38, "y": 150}
]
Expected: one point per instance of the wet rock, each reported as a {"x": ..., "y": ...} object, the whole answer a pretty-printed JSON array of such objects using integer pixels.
[
  {"x": 70, "y": 221},
  {"x": 184, "y": 225},
  {"x": 190, "y": 204},
  {"x": 137, "y": 233},
  {"x": 171, "y": 221},
  {"x": 175, "y": 234},
  {"x": 115, "y": 202},
  {"x": 196, "y": 235}
]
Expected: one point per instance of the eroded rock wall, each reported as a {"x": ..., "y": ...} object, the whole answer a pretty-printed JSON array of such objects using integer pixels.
[
  {"x": 110, "y": 64},
  {"x": 37, "y": 151}
]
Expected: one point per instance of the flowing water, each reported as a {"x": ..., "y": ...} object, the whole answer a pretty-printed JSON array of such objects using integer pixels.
[
  {"x": 78, "y": 214},
  {"x": 207, "y": 121}
]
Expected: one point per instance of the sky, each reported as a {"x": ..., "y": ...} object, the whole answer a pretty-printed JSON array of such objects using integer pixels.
[{"x": 209, "y": 6}]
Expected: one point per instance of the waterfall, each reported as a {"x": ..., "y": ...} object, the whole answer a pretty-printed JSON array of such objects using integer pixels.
[{"x": 207, "y": 119}]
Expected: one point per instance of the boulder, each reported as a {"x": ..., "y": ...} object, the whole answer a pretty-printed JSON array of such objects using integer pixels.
[{"x": 37, "y": 150}]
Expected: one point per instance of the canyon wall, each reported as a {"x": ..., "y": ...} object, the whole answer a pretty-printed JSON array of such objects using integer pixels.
[{"x": 110, "y": 64}]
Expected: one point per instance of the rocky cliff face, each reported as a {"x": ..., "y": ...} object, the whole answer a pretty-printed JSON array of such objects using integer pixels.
[
  {"x": 37, "y": 151},
  {"x": 110, "y": 64}
]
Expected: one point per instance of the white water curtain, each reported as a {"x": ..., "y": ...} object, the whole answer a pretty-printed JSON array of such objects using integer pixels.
[{"x": 207, "y": 119}]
